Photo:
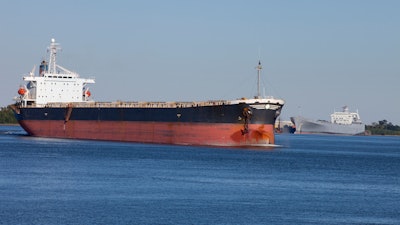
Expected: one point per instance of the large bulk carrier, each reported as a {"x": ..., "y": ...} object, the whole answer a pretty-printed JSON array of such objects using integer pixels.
[{"x": 56, "y": 103}]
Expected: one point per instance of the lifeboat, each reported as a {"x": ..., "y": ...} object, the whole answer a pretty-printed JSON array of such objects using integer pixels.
[
  {"x": 21, "y": 91},
  {"x": 86, "y": 93}
]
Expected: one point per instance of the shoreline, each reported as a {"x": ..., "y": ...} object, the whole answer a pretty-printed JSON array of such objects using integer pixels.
[{"x": 9, "y": 124}]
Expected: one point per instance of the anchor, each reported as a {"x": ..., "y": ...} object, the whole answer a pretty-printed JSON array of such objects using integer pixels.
[
  {"x": 67, "y": 114},
  {"x": 247, "y": 116}
]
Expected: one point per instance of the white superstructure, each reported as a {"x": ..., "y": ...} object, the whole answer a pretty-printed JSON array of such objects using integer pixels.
[
  {"x": 345, "y": 117},
  {"x": 54, "y": 84}
]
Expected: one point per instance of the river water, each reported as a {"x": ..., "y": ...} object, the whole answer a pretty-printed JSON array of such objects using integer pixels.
[{"x": 311, "y": 179}]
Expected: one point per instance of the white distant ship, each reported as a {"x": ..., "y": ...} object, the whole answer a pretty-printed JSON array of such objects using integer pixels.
[{"x": 344, "y": 123}]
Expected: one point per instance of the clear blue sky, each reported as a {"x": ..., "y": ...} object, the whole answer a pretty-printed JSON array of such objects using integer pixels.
[{"x": 317, "y": 55}]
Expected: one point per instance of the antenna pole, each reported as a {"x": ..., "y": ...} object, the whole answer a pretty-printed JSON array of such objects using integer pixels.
[{"x": 259, "y": 68}]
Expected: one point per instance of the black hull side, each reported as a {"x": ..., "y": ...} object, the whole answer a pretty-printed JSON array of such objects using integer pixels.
[{"x": 205, "y": 114}]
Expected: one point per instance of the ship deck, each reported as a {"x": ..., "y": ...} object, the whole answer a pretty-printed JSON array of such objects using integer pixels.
[
  {"x": 155, "y": 104},
  {"x": 121, "y": 104}
]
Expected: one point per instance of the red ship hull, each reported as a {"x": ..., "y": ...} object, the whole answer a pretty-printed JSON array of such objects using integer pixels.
[{"x": 200, "y": 134}]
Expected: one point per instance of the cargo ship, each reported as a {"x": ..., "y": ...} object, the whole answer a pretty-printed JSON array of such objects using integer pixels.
[
  {"x": 57, "y": 103},
  {"x": 342, "y": 123}
]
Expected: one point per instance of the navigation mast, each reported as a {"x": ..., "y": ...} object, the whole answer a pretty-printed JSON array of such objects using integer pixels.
[
  {"x": 259, "y": 68},
  {"x": 53, "y": 52}
]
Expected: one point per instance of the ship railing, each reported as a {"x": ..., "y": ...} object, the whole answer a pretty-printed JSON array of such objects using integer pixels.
[{"x": 121, "y": 104}]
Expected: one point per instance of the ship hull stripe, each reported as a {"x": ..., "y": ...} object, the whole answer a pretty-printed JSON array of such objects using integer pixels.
[{"x": 211, "y": 114}]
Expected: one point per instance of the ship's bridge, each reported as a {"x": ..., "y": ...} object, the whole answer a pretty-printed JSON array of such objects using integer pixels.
[{"x": 52, "y": 88}]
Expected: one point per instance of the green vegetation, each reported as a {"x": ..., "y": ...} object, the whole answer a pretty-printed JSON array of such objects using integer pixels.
[
  {"x": 7, "y": 116},
  {"x": 383, "y": 127}
]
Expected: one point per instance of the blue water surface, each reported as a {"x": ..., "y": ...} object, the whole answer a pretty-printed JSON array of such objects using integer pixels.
[{"x": 311, "y": 179}]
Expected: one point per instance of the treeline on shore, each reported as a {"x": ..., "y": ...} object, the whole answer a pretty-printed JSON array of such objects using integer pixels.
[
  {"x": 382, "y": 127},
  {"x": 7, "y": 116}
]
